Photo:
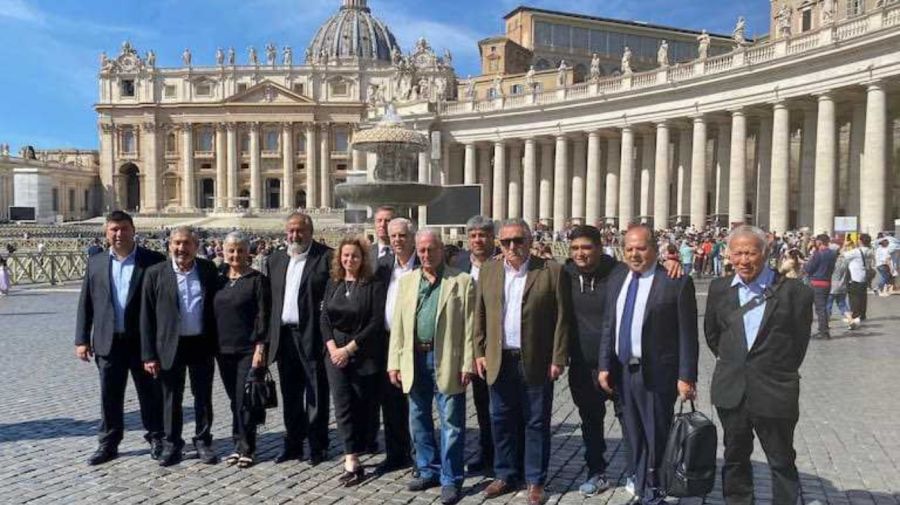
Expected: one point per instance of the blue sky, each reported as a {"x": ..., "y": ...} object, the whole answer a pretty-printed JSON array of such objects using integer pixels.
[{"x": 49, "y": 49}]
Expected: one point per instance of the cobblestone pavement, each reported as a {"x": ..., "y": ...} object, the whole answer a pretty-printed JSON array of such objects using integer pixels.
[{"x": 848, "y": 441}]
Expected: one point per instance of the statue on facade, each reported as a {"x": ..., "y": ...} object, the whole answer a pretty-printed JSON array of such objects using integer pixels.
[
  {"x": 151, "y": 58},
  {"x": 371, "y": 94},
  {"x": 440, "y": 89},
  {"x": 104, "y": 60},
  {"x": 323, "y": 56},
  {"x": 828, "y": 12},
  {"x": 186, "y": 57},
  {"x": 626, "y": 61},
  {"x": 562, "y": 74},
  {"x": 595, "y": 67},
  {"x": 231, "y": 56},
  {"x": 308, "y": 55},
  {"x": 497, "y": 86},
  {"x": 422, "y": 45},
  {"x": 470, "y": 87},
  {"x": 4, "y": 149},
  {"x": 220, "y": 56},
  {"x": 271, "y": 54},
  {"x": 424, "y": 89},
  {"x": 254, "y": 58},
  {"x": 529, "y": 79},
  {"x": 662, "y": 54},
  {"x": 448, "y": 58},
  {"x": 288, "y": 56},
  {"x": 739, "y": 30},
  {"x": 783, "y": 18},
  {"x": 396, "y": 57},
  {"x": 703, "y": 45}
]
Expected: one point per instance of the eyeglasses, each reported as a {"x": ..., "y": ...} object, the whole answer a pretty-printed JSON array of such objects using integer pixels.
[{"x": 508, "y": 242}]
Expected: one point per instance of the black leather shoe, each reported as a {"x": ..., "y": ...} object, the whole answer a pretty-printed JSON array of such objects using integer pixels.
[
  {"x": 392, "y": 465},
  {"x": 156, "y": 448},
  {"x": 289, "y": 454},
  {"x": 206, "y": 454},
  {"x": 102, "y": 455},
  {"x": 421, "y": 484},
  {"x": 169, "y": 457},
  {"x": 450, "y": 495},
  {"x": 316, "y": 458}
]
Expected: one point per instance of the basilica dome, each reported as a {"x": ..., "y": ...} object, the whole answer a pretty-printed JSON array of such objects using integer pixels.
[{"x": 352, "y": 33}]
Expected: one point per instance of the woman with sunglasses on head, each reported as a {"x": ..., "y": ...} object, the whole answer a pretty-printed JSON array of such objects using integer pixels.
[
  {"x": 353, "y": 328},
  {"x": 241, "y": 306}
]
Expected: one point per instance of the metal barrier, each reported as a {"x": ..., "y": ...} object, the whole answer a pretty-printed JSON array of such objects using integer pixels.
[{"x": 47, "y": 268}]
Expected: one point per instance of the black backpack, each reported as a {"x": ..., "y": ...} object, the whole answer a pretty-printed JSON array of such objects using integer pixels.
[{"x": 689, "y": 464}]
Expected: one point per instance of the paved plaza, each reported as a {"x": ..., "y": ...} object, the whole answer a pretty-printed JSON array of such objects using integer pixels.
[{"x": 848, "y": 440}]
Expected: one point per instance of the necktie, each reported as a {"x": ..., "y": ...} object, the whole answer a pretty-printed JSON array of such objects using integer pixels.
[{"x": 627, "y": 317}]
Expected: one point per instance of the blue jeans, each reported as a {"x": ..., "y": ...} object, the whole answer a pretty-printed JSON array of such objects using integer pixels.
[
  {"x": 452, "y": 413},
  {"x": 516, "y": 407},
  {"x": 841, "y": 301}
]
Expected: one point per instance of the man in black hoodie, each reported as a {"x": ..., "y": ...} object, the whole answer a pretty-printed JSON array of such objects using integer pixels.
[{"x": 589, "y": 268}]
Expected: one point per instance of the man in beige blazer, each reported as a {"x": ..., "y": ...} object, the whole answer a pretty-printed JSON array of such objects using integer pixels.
[
  {"x": 430, "y": 357},
  {"x": 523, "y": 315}
]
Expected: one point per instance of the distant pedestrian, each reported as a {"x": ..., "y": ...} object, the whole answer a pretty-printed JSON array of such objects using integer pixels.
[
  {"x": 820, "y": 268},
  {"x": 860, "y": 261},
  {"x": 885, "y": 267},
  {"x": 4, "y": 278}
]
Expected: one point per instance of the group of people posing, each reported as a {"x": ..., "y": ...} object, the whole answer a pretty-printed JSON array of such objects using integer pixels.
[{"x": 390, "y": 330}]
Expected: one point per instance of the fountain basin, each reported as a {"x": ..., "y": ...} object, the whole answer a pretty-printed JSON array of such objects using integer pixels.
[{"x": 397, "y": 193}]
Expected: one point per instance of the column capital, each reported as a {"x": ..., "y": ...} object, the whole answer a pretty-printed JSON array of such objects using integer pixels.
[
  {"x": 699, "y": 118},
  {"x": 231, "y": 126},
  {"x": 822, "y": 96},
  {"x": 662, "y": 123},
  {"x": 150, "y": 127},
  {"x": 593, "y": 134},
  {"x": 877, "y": 84},
  {"x": 530, "y": 140},
  {"x": 220, "y": 126},
  {"x": 287, "y": 125},
  {"x": 737, "y": 111},
  {"x": 254, "y": 126}
]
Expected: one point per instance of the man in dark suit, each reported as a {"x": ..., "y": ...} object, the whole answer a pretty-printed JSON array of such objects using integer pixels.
[
  {"x": 178, "y": 337},
  {"x": 297, "y": 278},
  {"x": 523, "y": 315},
  {"x": 480, "y": 234},
  {"x": 394, "y": 404},
  {"x": 757, "y": 325},
  {"x": 650, "y": 334},
  {"x": 108, "y": 327},
  {"x": 382, "y": 245}
]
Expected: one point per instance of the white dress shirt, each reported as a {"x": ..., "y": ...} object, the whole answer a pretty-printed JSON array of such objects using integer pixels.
[
  {"x": 640, "y": 308},
  {"x": 475, "y": 271},
  {"x": 383, "y": 249},
  {"x": 290, "y": 312},
  {"x": 513, "y": 291},
  {"x": 398, "y": 271}
]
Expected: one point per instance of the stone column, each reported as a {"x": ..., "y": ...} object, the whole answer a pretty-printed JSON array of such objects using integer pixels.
[
  {"x": 498, "y": 209},
  {"x": 545, "y": 198},
  {"x": 592, "y": 180},
  {"x": 470, "y": 168},
  {"x": 255, "y": 168},
  {"x": 661, "y": 178},
  {"x": 325, "y": 175},
  {"x": 857, "y": 140},
  {"x": 807, "y": 167},
  {"x": 424, "y": 178},
  {"x": 151, "y": 168},
  {"x": 737, "y": 191},
  {"x": 188, "y": 193},
  {"x": 779, "y": 199},
  {"x": 626, "y": 179},
  {"x": 683, "y": 183},
  {"x": 312, "y": 167},
  {"x": 445, "y": 177},
  {"x": 648, "y": 159},
  {"x": 232, "y": 164},
  {"x": 221, "y": 167},
  {"x": 560, "y": 176},
  {"x": 873, "y": 176},
  {"x": 579, "y": 173},
  {"x": 486, "y": 178},
  {"x": 723, "y": 167},
  {"x": 514, "y": 198},
  {"x": 698, "y": 174},
  {"x": 826, "y": 166},
  {"x": 613, "y": 162},
  {"x": 763, "y": 169},
  {"x": 529, "y": 177},
  {"x": 287, "y": 166}
]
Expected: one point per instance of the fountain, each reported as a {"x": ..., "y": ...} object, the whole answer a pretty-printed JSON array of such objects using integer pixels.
[{"x": 396, "y": 172}]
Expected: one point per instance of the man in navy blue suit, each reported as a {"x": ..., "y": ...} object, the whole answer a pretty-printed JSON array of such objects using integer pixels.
[{"x": 650, "y": 334}]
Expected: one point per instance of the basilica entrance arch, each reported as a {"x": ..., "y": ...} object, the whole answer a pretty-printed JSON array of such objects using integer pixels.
[{"x": 130, "y": 186}]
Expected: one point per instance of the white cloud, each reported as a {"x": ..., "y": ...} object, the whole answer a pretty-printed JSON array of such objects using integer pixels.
[{"x": 21, "y": 11}]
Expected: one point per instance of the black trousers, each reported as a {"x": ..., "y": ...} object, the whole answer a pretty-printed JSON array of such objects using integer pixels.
[
  {"x": 395, "y": 414},
  {"x": 858, "y": 294},
  {"x": 304, "y": 392},
  {"x": 648, "y": 417},
  {"x": 482, "y": 399},
  {"x": 125, "y": 357},
  {"x": 820, "y": 300},
  {"x": 234, "y": 368},
  {"x": 777, "y": 439},
  {"x": 353, "y": 395},
  {"x": 194, "y": 359}
]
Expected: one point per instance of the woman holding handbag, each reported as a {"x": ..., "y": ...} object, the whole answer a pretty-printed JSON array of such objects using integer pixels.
[
  {"x": 242, "y": 306},
  {"x": 352, "y": 326}
]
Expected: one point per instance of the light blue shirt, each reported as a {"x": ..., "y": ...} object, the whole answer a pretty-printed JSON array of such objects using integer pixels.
[
  {"x": 746, "y": 293},
  {"x": 120, "y": 272},
  {"x": 190, "y": 300}
]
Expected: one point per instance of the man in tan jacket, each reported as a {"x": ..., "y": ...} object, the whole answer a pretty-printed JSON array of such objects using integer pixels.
[
  {"x": 430, "y": 357},
  {"x": 523, "y": 314}
]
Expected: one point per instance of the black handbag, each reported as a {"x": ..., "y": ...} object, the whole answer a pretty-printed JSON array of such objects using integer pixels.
[
  {"x": 260, "y": 393},
  {"x": 689, "y": 464}
]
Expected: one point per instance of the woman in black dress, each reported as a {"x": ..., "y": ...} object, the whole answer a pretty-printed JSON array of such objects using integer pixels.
[
  {"x": 353, "y": 329},
  {"x": 242, "y": 306}
]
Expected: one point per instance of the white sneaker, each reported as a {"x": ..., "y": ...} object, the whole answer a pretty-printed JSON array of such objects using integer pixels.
[
  {"x": 854, "y": 323},
  {"x": 629, "y": 486}
]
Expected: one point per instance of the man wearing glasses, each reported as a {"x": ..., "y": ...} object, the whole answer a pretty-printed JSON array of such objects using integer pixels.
[{"x": 522, "y": 314}]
